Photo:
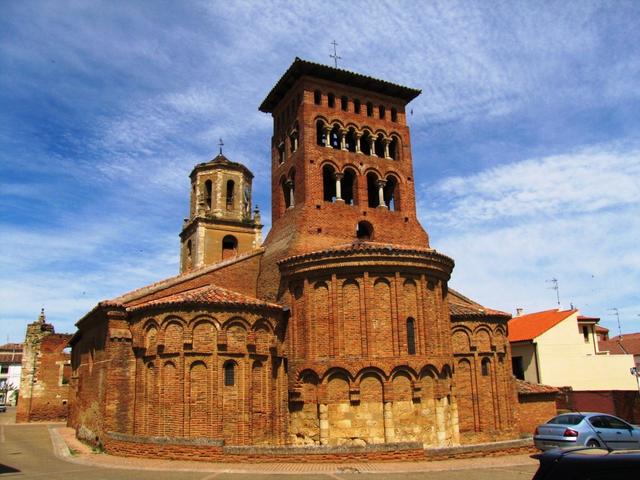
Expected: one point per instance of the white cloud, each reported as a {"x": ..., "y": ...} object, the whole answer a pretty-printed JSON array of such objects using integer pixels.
[{"x": 575, "y": 217}]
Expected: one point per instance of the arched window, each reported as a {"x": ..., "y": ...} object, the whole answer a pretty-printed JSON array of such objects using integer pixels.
[
  {"x": 207, "y": 193},
  {"x": 372, "y": 190},
  {"x": 369, "y": 109},
  {"x": 379, "y": 146},
  {"x": 229, "y": 246},
  {"x": 344, "y": 103},
  {"x": 331, "y": 100},
  {"x": 350, "y": 139},
  {"x": 230, "y": 193},
  {"x": 364, "y": 231},
  {"x": 317, "y": 97},
  {"x": 293, "y": 140},
  {"x": 329, "y": 183},
  {"x": 229, "y": 374},
  {"x": 320, "y": 137},
  {"x": 393, "y": 148},
  {"x": 394, "y": 114},
  {"x": 382, "y": 111},
  {"x": 485, "y": 367},
  {"x": 334, "y": 137},
  {"x": 390, "y": 193},
  {"x": 411, "y": 336},
  {"x": 348, "y": 184},
  {"x": 281, "y": 153},
  {"x": 365, "y": 143},
  {"x": 356, "y": 106},
  {"x": 188, "y": 253}
]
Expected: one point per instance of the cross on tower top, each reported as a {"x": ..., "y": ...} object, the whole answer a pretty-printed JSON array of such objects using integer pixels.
[
  {"x": 220, "y": 143},
  {"x": 335, "y": 54}
]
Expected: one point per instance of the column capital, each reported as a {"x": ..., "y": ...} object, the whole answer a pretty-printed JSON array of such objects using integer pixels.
[
  {"x": 381, "y": 183},
  {"x": 338, "y": 175}
]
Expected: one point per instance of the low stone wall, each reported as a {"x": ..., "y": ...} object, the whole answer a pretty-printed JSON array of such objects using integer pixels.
[{"x": 212, "y": 450}]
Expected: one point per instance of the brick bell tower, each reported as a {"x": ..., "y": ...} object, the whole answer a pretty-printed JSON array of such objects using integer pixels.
[
  {"x": 368, "y": 335},
  {"x": 341, "y": 163},
  {"x": 220, "y": 223}
]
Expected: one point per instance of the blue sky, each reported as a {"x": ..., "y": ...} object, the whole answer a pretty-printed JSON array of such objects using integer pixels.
[{"x": 525, "y": 139}]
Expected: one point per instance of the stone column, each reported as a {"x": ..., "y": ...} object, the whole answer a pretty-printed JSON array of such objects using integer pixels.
[
  {"x": 357, "y": 136},
  {"x": 389, "y": 429},
  {"x": 381, "y": 184},
  {"x": 343, "y": 139},
  {"x": 294, "y": 139},
  {"x": 441, "y": 431},
  {"x": 338, "y": 176},
  {"x": 372, "y": 146},
  {"x": 289, "y": 183},
  {"x": 385, "y": 142},
  {"x": 327, "y": 136},
  {"x": 323, "y": 414}
]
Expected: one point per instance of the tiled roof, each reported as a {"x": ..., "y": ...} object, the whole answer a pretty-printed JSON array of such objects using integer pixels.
[
  {"x": 528, "y": 327},
  {"x": 11, "y": 347},
  {"x": 7, "y": 357},
  {"x": 463, "y": 307},
  {"x": 301, "y": 67},
  {"x": 362, "y": 246},
  {"x": 601, "y": 329},
  {"x": 209, "y": 294},
  {"x": 583, "y": 318},
  {"x": 630, "y": 343},
  {"x": 525, "y": 387}
]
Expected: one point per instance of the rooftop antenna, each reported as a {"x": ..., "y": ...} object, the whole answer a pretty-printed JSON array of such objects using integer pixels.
[
  {"x": 335, "y": 54},
  {"x": 220, "y": 144},
  {"x": 616, "y": 312},
  {"x": 554, "y": 286}
]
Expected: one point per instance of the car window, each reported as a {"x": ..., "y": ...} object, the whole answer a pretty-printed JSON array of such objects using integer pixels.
[
  {"x": 572, "y": 419},
  {"x": 599, "y": 422},
  {"x": 614, "y": 422}
]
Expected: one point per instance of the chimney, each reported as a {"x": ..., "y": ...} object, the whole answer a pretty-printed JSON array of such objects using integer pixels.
[{"x": 518, "y": 312}]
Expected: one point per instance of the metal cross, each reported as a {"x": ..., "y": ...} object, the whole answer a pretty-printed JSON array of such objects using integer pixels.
[
  {"x": 335, "y": 54},
  {"x": 220, "y": 143}
]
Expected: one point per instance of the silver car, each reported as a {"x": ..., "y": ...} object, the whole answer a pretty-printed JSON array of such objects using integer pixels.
[{"x": 589, "y": 429}]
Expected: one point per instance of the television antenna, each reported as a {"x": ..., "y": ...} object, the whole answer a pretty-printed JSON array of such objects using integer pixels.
[
  {"x": 616, "y": 312},
  {"x": 554, "y": 286}
]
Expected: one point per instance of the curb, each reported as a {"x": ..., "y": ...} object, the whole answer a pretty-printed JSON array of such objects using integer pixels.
[{"x": 62, "y": 451}]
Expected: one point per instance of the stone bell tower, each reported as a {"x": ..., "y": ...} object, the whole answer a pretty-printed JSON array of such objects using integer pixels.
[{"x": 221, "y": 224}]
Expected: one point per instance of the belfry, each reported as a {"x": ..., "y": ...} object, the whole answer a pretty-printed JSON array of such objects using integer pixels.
[{"x": 339, "y": 330}]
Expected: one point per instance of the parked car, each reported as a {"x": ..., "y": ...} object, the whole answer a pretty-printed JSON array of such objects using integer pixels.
[
  {"x": 3, "y": 407},
  {"x": 585, "y": 463},
  {"x": 587, "y": 429}
]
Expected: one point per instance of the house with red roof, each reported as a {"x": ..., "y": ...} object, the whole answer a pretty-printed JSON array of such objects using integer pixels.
[
  {"x": 560, "y": 348},
  {"x": 627, "y": 344}
]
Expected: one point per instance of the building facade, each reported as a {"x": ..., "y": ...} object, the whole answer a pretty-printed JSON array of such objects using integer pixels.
[
  {"x": 10, "y": 367},
  {"x": 339, "y": 330},
  {"x": 45, "y": 374}
]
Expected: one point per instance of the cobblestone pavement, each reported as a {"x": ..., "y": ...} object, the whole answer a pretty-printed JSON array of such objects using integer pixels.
[{"x": 50, "y": 451}]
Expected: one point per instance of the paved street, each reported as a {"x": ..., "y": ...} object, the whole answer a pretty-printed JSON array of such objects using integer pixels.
[{"x": 27, "y": 451}]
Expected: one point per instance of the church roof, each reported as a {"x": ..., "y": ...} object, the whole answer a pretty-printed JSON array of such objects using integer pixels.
[
  {"x": 301, "y": 68},
  {"x": 528, "y": 327},
  {"x": 463, "y": 307},
  {"x": 207, "y": 295},
  {"x": 220, "y": 161}
]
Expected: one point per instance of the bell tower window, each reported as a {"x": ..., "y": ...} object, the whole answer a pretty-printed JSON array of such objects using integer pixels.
[
  {"x": 328, "y": 183},
  {"x": 317, "y": 97},
  {"x": 382, "y": 111},
  {"x": 379, "y": 146},
  {"x": 369, "y": 109},
  {"x": 230, "y": 194},
  {"x": 356, "y": 106},
  {"x": 229, "y": 246},
  {"x": 344, "y": 104},
  {"x": 331, "y": 100},
  {"x": 364, "y": 231},
  {"x": 349, "y": 186},
  {"x": 394, "y": 115},
  {"x": 390, "y": 193},
  {"x": 320, "y": 136},
  {"x": 207, "y": 193},
  {"x": 372, "y": 190}
]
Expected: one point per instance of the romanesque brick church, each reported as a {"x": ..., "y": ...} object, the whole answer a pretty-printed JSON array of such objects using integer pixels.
[{"x": 338, "y": 330}]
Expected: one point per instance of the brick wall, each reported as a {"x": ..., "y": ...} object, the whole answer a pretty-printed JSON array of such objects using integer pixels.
[
  {"x": 622, "y": 403},
  {"x": 534, "y": 410},
  {"x": 45, "y": 376}
]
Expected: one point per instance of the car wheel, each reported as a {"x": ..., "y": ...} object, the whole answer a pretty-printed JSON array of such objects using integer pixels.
[{"x": 593, "y": 444}]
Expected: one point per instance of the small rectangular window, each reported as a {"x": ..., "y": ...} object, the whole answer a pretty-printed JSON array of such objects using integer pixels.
[{"x": 585, "y": 333}]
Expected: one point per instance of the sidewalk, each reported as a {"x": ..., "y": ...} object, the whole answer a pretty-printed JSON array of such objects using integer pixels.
[{"x": 68, "y": 448}]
